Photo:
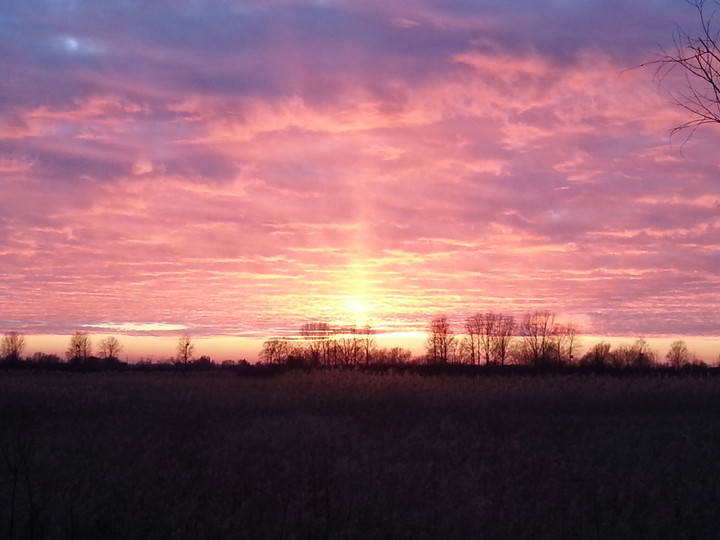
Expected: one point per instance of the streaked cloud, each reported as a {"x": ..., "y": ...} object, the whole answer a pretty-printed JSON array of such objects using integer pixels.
[{"x": 240, "y": 168}]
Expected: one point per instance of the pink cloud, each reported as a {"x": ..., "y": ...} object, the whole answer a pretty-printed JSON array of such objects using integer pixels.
[{"x": 235, "y": 192}]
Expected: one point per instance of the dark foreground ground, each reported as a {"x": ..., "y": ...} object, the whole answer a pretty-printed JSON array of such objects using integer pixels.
[{"x": 357, "y": 455}]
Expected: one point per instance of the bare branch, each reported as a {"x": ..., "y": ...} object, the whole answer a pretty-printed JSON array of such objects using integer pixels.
[{"x": 697, "y": 55}]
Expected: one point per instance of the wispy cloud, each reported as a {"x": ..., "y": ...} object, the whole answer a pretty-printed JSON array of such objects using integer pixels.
[{"x": 240, "y": 168}]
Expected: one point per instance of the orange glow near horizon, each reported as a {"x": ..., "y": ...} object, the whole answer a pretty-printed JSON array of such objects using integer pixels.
[{"x": 159, "y": 349}]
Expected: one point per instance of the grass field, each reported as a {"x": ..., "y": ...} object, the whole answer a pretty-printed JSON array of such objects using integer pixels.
[{"x": 344, "y": 454}]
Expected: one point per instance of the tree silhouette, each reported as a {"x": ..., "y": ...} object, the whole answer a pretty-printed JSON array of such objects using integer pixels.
[
  {"x": 367, "y": 341},
  {"x": 678, "y": 354},
  {"x": 565, "y": 342},
  {"x": 80, "y": 348},
  {"x": 185, "y": 350},
  {"x": 394, "y": 355},
  {"x": 488, "y": 338},
  {"x": 276, "y": 351},
  {"x": 316, "y": 336},
  {"x": 643, "y": 356},
  {"x": 503, "y": 337},
  {"x": 471, "y": 343},
  {"x": 440, "y": 342},
  {"x": 45, "y": 359},
  {"x": 110, "y": 348},
  {"x": 12, "y": 346},
  {"x": 638, "y": 355},
  {"x": 599, "y": 356},
  {"x": 538, "y": 331},
  {"x": 696, "y": 55},
  {"x": 348, "y": 347}
]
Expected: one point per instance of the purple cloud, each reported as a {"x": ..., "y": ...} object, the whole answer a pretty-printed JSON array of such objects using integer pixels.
[{"x": 239, "y": 168}]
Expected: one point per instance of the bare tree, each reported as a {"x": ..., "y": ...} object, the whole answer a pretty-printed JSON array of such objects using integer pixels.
[
  {"x": 622, "y": 356},
  {"x": 696, "y": 55},
  {"x": 185, "y": 350},
  {"x": 470, "y": 344},
  {"x": 316, "y": 336},
  {"x": 12, "y": 346},
  {"x": 398, "y": 355},
  {"x": 487, "y": 338},
  {"x": 368, "y": 342},
  {"x": 598, "y": 356},
  {"x": 348, "y": 346},
  {"x": 110, "y": 348},
  {"x": 637, "y": 355},
  {"x": 80, "y": 348},
  {"x": 276, "y": 351},
  {"x": 678, "y": 355},
  {"x": 644, "y": 355},
  {"x": 503, "y": 337},
  {"x": 538, "y": 331},
  {"x": 564, "y": 342},
  {"x": 571, "y": 343},
  {"x": 487, "y": 334},
  {"x": 440, "y": 344},
  {"x": 353, "y": 345}
]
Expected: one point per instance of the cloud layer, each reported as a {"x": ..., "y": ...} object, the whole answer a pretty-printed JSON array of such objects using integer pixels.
[{"x": 241, "y": 167}]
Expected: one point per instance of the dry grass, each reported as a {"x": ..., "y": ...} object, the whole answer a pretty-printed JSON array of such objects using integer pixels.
[{"x": 352, "y": 455}]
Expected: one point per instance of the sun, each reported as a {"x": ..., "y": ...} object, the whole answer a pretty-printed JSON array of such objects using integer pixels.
[{"x": 357, "y": 310}]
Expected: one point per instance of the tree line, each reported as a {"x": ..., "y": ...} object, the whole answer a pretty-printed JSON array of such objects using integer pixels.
[
  {"x": 323, "y": 345},
  {"x": 491, "y": 339},
  {"x": 537, "y": 340},
  {"x": 80, "y": 352}
]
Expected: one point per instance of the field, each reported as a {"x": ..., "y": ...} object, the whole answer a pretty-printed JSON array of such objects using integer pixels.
[{"x": 344, "y": 454}]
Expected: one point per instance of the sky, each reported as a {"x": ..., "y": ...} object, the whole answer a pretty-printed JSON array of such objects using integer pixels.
[{"x": 236, "y": 169}]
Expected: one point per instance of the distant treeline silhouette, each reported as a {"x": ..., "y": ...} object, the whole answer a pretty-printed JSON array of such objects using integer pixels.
[
  {"x": 487, "y": 342},
  {"x": 536, "y": 340}
]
